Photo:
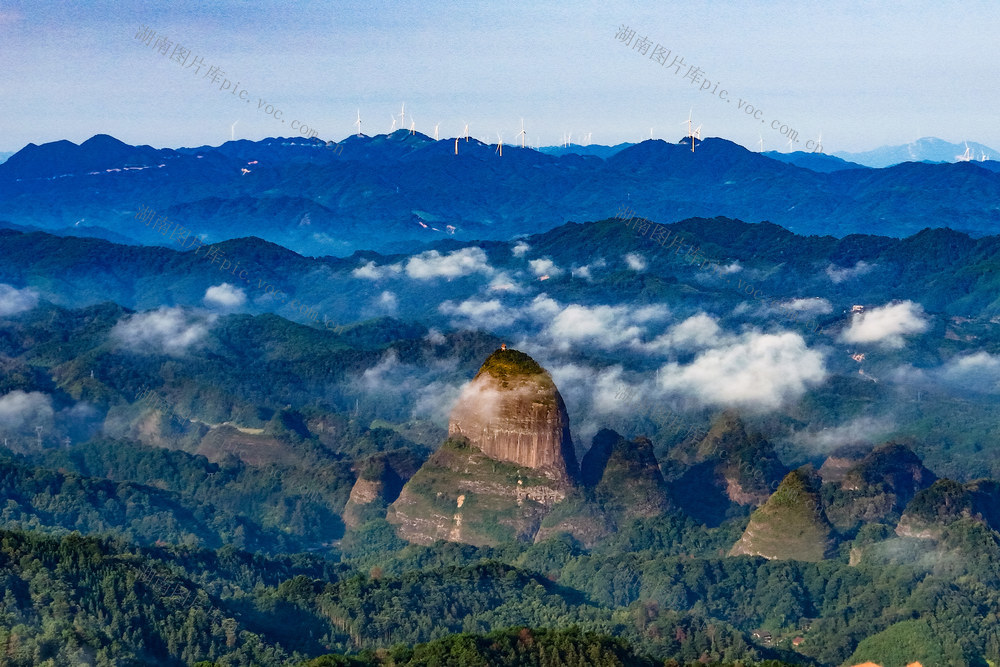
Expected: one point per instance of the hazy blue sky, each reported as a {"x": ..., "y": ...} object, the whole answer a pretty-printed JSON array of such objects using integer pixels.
[{"x": 863, "y": 74}]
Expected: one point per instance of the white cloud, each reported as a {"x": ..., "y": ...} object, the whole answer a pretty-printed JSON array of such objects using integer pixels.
[
  {"x": 464, "y": 262},
  {"x": 815, "y": 306},
  {"x": 20, "y": 409},
  {"x": 978, "y": 372},
  {"x": 225, "y": 295},
  {"x": 605, "y": 327},
  {"x": 635, "y": 261},
  {"x": 519, "y": 249},
  {"x": 504, "y": 283},
  {"x": 759, "y": 372},
  {"x": 165, "y": 331},
  {"x": 886, "y": 325},
  {"x": 839, "y": 275},
  {"x": 697, "y": 331},
  {"x": 544, "y": 267},
  {"x": 734, "y": 267},
  {"x": 478, "y": 314},
  {"x": 388, "y": 302},
  {"x": 435, "y": 337},
  {"x": 862, "y": 430},
  {"x": 587, "y": 271},
  {"x": 14, "y": 301},
  {"x": 371, "y": 271}
]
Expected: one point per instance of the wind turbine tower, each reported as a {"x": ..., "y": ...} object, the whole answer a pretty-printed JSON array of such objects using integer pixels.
[
  {"x": 358, "y": 122},
  {"x": 688, "y": 121},
  {"x": 500, "y": 144},
  {"x": 522, "y": 133}
]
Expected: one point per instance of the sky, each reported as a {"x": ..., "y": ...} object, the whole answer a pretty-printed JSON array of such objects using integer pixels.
[{"x": 858, "y": 74}]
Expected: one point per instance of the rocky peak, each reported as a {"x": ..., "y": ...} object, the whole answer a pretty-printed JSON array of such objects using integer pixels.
[
  {"x": 625, "y": 476},
  {"x": 947, "y": 501},
  {"x": 893, "y": 466},
  {"x": 791, "y": 525},
  {"x": 727, "y": 469},
  {"x": 511, "y": 411}
]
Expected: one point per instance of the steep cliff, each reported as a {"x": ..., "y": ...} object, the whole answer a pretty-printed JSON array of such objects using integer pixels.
[
  {"x": 512, "y": 411},
  {"x": 378, "y": 485},
  {"x": 791, "y": 525},
  {"x": 462, "y": 495},
  {"x": 507, "y": 461}
]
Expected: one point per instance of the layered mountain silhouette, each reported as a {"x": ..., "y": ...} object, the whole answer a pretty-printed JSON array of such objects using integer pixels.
[{"x": 318, "y": 201}]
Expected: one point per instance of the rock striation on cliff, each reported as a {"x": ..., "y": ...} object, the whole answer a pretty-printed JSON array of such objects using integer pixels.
[
  {"x": 507, "y": 461},
  {"x": 512, "y": 411}
]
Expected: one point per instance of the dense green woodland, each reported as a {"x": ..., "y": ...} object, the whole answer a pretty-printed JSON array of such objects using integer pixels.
[
  {"x": 163, "y": 535},
  {"x": 75, "y": 598}
]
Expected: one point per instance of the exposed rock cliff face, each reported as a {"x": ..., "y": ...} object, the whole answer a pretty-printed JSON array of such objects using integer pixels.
[
  {"x": 378, "y": 485},
  {"x": 462, "y": 495},
  {"x": 508, "y": 460},
  {"x": 791, "y": 525},
  {"x": 513, "y": 412}
]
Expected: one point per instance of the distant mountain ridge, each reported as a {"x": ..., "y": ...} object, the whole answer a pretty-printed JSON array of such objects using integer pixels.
[
  {"x": 321, "y": 202},
  {"x": 926, "y": 149}
]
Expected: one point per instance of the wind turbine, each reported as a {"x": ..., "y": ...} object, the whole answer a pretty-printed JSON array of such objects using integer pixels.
[
  {"x": 402, "y": 116},
  {"x": 696, "y": 135},
  {"x": 688, "y": 121},
  {"x": 393, "y": 128},
  {"x": 500, "y": 144},
  {"x": 358, "y": 122},
  {"x": 760, "y": 143},
  {"x": 436, "y": 130},
  {"x": 413, "y": 125},
  {"x": 588, "y": 137},
  {"x": 232, "y": 131},
  {"x": 466, "y": 132},
  {"x": 456, "y": 145},
  {"x": 819, "y": 144},
  {"x": 522, "y": 133},
  {"x": 791, "y": 146}
]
